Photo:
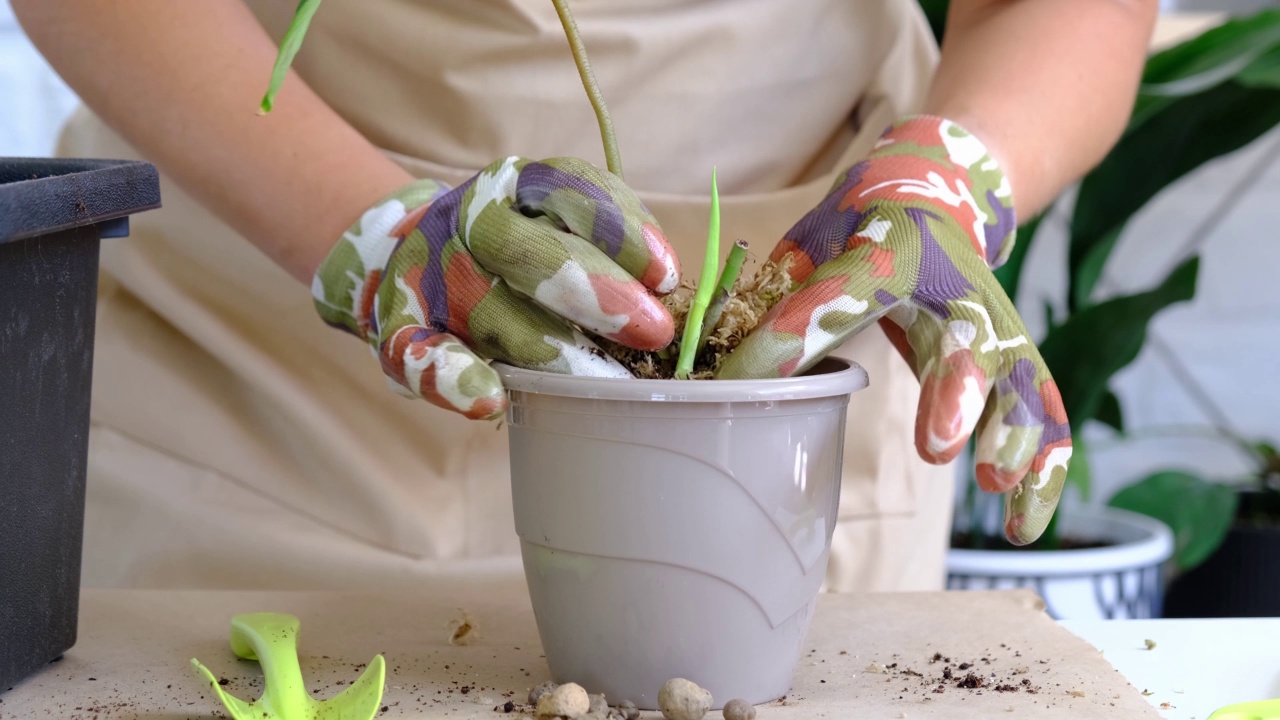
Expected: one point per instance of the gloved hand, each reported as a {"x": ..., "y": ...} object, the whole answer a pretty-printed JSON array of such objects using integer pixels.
[
  {"x": 438, "y": 280},
  {"x": 909, "y": 237}
]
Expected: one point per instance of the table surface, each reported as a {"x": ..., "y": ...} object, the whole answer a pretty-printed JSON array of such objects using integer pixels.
[
  {"x": 868, "y": 656},
  {"x": 131, "y": 657},
  {"x": 1196, "y": 666}
]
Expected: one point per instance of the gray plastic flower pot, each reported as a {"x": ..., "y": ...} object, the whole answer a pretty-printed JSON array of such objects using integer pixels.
[
  {"x": 677, "y": 528},
  {"x": 53, "y": 213}
]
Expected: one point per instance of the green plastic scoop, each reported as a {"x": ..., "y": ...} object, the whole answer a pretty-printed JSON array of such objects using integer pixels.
[
  {"x": 272, "y": 640},
  {"x": 1260, "y": 710}
]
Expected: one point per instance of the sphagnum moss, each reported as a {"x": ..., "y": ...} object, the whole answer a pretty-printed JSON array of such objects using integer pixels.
[{"x": 750, "y": 299}]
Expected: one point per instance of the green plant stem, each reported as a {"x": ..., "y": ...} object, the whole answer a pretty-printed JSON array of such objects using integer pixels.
[
  {"x": 728, "y": 277},
  {"x": 289, "y": 47},
  {"x": 612, "y": 158},
  {"x": 706, "y": 288},
  {"x": 306, "y": 10}
]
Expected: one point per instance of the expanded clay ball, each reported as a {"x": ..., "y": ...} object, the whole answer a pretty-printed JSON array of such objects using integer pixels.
[
  {"x": 536, "y": 694},
  {"x": 739, "y": 710},
  {"x": 680, "y": 699},
  {"x": 567, "y": 701}
]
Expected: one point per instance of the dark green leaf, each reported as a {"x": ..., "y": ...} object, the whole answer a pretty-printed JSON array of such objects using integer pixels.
[
  {"x": 289, "y": 47},
  {"x": 1086, "y": 276},
  {"x": 1237, "y": 46},
  {"x": 1109, "y": 412},
  {"x": 1188, "y": 133},
  {"x": 1269, "y": 462},
  {"x": 1263, "y": 72},
  {"x": 1200, "y": 513},
  {"x": 936, "y": 13},
  {"x": 1010, "y": 274},
  {"x": 1079, "y": 474},
  {"x": 1092, "y": 345}
]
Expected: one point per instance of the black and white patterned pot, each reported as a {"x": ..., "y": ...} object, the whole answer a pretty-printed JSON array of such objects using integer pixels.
[{"x": 1122, "y": 581}]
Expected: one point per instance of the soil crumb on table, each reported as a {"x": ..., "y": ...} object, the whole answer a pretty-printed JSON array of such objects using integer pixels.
[{"x": 462, "y": 630}]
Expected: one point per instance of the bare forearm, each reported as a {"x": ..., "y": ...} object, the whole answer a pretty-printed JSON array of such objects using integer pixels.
[
  {"x": 181, "y": 82},
  {"x": 1048, "y": 85}
]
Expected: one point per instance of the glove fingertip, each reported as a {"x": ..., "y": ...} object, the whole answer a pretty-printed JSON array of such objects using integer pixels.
[
  {"x": 440, "y": 369},
  {"x": 1030, "y": 506},
  {"x": 488, "y": 408},
  {"x": 994, "y": 479},
  {"x": 470, "y": 387},
  {"x": 950, "y": 406},
  {"x": 1015, "y": 530},
  {"x": 1025, "y": 522},
  {"x": 662, "y": 274},
  {"x": 1004, "y": 454}
]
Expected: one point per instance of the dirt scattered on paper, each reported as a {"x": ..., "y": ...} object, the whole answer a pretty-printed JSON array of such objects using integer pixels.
[{"x": 939, "y": 674}]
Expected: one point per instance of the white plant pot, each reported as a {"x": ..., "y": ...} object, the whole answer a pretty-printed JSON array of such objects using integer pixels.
[
  {"x": 1122, "y": 581},
  {"x": 676, "y": 528}
]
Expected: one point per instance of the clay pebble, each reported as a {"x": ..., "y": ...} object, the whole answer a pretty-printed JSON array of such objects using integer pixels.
[
  {"x": 598, "y": 705},
  {"x": 566, "y": 701},
  {"x": 680, "y": 699},
  {"x": 536, "y": 694},
  {"x": 739, "y": 710}
]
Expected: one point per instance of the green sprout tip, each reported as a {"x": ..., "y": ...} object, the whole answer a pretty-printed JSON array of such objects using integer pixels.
[
  {"x": 289, "y": 47},
  {"x": 706, "y": 288}
]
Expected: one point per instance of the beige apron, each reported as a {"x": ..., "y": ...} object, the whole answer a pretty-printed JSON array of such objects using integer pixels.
[{"x": 240, "y": 443}]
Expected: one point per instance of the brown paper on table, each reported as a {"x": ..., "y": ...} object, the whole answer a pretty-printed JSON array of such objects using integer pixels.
[{"x": 132, "y": 658}]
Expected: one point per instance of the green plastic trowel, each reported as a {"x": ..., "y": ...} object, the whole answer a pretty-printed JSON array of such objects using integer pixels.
[
  {"x": 1260, "y": 710},
  {"x": 272, "y": 640}
]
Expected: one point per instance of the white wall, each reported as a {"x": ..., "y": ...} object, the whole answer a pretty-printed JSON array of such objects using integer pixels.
[{"x": 34, "y": 102}]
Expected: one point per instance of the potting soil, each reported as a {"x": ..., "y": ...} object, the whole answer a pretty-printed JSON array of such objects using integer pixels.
[{"x": 750, "y": 300}]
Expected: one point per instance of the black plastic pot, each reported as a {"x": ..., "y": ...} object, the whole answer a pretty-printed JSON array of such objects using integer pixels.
[
  {"x": 1241, "y": 578},
  {"x": 52, "y": 215}
]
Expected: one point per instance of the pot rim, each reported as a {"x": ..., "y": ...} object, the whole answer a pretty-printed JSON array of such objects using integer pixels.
[
  {"x": 831, "y": 377},
  {"x": 1155, "y": 547}
]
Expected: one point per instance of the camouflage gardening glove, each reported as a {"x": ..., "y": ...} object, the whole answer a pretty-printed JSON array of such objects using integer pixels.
[
  {"x": 438, "y": 280},
  {"x": 908, "y": 237}
]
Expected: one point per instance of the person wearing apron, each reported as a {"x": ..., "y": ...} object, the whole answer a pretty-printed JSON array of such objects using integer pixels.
[{"x": 239, "y": 442}]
